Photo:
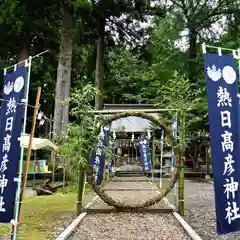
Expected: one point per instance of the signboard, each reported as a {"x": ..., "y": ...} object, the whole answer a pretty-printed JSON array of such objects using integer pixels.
[
  {"x": 10, "y": 131},
  {"x": 221, "y": 78},
  {"x": 145, "y": 154},
  {"x": 98, "y": 159}
]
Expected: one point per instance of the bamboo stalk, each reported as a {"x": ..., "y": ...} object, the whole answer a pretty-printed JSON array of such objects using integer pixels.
[
  {"x": 181, "y": 172},
  {"x": 81, "y": 184}
]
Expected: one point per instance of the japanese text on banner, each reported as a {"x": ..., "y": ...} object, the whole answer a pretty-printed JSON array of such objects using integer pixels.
[
  {"x": 221, "y": 77},
  {"x": 98, "y": 159},
  {"x": 145, "y": 154},
  {"x": 10, "y": 130}
]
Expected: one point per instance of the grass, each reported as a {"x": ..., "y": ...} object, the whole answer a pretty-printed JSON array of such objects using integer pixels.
[{"x": 39, "y": 214}]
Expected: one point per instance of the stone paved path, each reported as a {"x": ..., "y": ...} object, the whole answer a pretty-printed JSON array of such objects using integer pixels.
[{"x": 130, "y": 226}]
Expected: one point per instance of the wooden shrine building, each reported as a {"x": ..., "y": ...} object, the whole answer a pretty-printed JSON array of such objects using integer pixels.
[{"x": 128, "y": 130}]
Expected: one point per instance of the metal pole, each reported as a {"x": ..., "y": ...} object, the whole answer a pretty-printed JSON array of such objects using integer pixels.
[
  {"x": 238, "y": 61},
  {"x": 214, "y": 47},
  {"x": 22, "y": 150},
  {"x": 161, "y": 158},
  {"x": 113, "y": 111},
  {"x": 153, "y": 156},
  {"x": 35, "y": 56}
]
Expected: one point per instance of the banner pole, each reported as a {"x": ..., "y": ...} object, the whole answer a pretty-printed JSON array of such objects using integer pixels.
[
  {"x": 174, "y": 133},
  {"x": 161, "y": 159},
  {"x": 29, "y": 149},
  {"x": 28, "y": 63},
  {"x": 238, "y": 62},
  {"x": 21, "y": 62}
]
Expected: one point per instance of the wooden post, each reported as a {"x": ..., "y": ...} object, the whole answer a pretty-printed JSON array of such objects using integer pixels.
[
  {"x": 64, "y": 171},
  {"x": 29, "y": 149},
  {"x": 53, "y": 156},
  {"x": 80, "y": 189},
  {"x": 50, "y": 132},
  {"x": 181, "y": 172}
]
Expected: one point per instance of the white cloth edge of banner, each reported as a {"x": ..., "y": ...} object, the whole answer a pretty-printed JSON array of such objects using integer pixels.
[
  {"x": 204, "y": 50},
  {"x": 13, "y": 222},
  {"x": 234, "y": 53},
  {"x": 219, "y": 51},
  {"x": 26, "y": 63},
  {"x": 16, "y": 179}
]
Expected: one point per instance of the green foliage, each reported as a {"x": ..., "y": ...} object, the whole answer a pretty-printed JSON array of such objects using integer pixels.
[
  {"x": 140, "y": 62},
  {"x": 179, "y": 94},
  {"x": 82, "y": 133},
  {"x": 128, "y": 72}
]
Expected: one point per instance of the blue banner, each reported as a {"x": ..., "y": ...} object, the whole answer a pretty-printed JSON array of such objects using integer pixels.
[
  {"x": 145, "y": 154},
  {"x": 221, "y": 78},
  {"x": 98, "y": 159},
  {"x": 10, "y": 131}
]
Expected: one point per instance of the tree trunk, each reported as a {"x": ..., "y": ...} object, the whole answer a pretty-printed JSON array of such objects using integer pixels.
[
  {"x": 24, "y": 49},
  {"x": 99, "y": 77},
  {"x": 192, "y": 54},
  {"x": 61, "y": 110},
  {"x": 24, "y": 52}
]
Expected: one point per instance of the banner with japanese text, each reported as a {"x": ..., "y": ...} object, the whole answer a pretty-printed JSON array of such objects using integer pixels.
[
  {"x": 221, "y": 78},
  {"x": 98, "y": 159},
  {"x": 145, "y": 154},
  {"x": 10, "y": 131}
]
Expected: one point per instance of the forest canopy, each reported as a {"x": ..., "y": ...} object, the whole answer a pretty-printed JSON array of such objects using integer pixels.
[{"x": 132, "y": 51}]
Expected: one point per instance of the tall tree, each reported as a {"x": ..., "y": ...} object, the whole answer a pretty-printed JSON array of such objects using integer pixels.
[
  {"x": 117, "y": 19},
  {"x": 61, "y": 111},
  {"x": 199, "y": 16}
]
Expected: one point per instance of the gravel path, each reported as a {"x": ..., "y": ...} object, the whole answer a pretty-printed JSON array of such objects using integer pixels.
[
  {"x": 143, "y": 191},
  {"x": 129, "y": 226},
  {"x": 200, "y": 211}
]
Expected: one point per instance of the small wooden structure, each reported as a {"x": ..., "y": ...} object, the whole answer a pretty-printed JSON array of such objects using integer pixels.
[{"x": 39, "y": 144}]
